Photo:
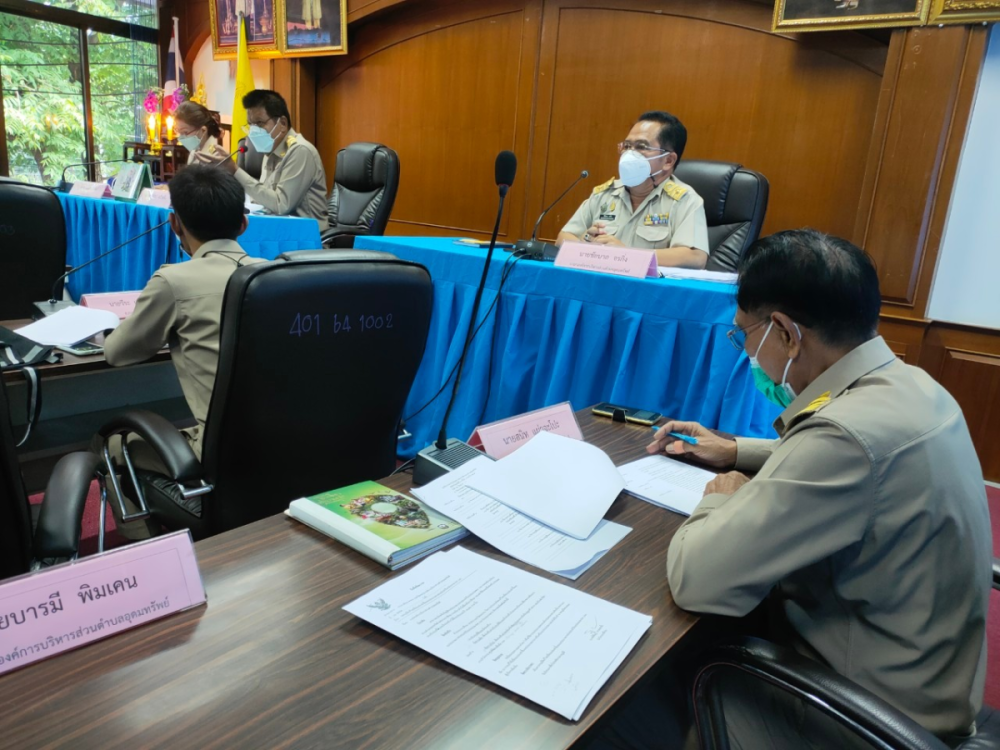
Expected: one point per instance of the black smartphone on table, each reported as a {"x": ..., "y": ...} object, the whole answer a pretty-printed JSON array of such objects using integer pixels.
[{"x": 638, "y": 416}]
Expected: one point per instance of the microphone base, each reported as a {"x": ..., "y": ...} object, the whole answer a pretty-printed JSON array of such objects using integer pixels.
[
  {"x": 49, "y": 307},
  {"x": 433, "y": 462},
  {"x": 536, "y": 250},
  {"x": 64, "y": 186}
]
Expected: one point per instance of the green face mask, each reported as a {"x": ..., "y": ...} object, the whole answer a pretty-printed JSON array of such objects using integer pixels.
[{"x": 782, "y": 394}]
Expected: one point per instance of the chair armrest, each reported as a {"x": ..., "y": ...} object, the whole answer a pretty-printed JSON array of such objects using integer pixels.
[
  {"x": 166, "y": 441},
  {"x": 996, "y": 573},
  {"x": 61, "y": 516}
]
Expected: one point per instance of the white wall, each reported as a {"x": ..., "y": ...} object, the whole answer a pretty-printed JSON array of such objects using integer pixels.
[
  {"x": 219, "y": 85},
  {"x": 966, "y": 285}
]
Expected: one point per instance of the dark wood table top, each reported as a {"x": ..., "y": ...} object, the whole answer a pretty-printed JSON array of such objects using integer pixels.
[
  {"x": 273, "y": 661},
  {"x": 70, "y": 364}
]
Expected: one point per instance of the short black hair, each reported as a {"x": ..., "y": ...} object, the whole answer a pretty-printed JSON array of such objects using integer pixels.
[
  {"x": 208, "y": 201},
  {"x": 822, "y": 282},
  {"x": 673, "y": 135},
  {"x": 272, "y": 102}
]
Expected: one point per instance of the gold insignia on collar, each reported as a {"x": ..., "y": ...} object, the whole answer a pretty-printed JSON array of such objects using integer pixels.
[
  {"x": 816, "y": 404},
  {"x": 674, "y": 190},
  {"x": 601, "y": 188}
]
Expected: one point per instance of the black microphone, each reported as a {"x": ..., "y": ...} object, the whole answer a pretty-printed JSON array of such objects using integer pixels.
[
  {"x": 54, "y": 304},
  {"x": 64, "y": 187},
  {"x": 535, "y": 249},
  {"x": 444, "y": 455}
]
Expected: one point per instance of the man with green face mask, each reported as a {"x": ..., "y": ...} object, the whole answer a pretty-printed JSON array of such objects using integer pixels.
[{"x": 865, "y": 524}]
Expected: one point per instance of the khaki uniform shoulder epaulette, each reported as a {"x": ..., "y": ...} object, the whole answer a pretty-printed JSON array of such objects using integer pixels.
[
  {"x": 674, "y": 190},
  {"x": 814, "y": 406},
  {"x": 605, "y": 186},
  {"x": 291, "y": 141}
]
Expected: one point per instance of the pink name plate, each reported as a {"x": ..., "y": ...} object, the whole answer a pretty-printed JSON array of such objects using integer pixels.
[
  {"x": 121, "y": 304},
  {"x": 90, "y": 190},
  {"x": 621, "y": 261},
  {"x": 152, "y": 197},
  {"x": 76, "y": 603},
  {"x": 506, "y": 436}
]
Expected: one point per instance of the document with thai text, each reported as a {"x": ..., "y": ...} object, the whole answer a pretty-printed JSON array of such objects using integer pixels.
[
  {"x": 512, "y": 532},
  {"x": 542, "y": 640},
  {"x": 564, "y": 483},
  {"x": 671, "y": 484}
]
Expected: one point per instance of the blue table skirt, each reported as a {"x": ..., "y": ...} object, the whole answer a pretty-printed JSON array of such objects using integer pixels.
[
  {"x": 566, "y": 335},
  {"x": 95, "y": 226}
]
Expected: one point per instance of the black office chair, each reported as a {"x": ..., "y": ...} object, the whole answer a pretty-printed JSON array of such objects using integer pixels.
[
  {"x": 364, "y": 190},
  {"x": 735, "y": 204},
  {"x": 250, "y": 161},
  {"x": 27, "y": 540},
  {"x": 317, "y": 355},
  {"x": 33, "y": 238}
]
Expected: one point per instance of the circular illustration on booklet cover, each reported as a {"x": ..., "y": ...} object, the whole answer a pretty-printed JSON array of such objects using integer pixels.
[{"x": 392, "y": 510}]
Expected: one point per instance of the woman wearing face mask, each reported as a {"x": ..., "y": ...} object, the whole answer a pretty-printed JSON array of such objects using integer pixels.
[
  {"x": 197, "y": 130},
  {"x": 647, "y": 207}
]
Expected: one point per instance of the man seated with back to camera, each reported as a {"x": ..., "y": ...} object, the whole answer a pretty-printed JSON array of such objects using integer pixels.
[
  {"x": 292, "y": 179},
  {"x": 648, "y": 207},
  {"x": 182, "y": 306},
  {"x": 865, "y": 525}
]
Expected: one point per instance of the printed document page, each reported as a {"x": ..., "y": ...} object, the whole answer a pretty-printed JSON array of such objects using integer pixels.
[
  {"x": 514, "y": 533},
  {"x": 69, "y": 326},
  {"x": 550, "y": 643},
  {"x": 666, "y": 482},
  {"x": 564, "y": 483}
]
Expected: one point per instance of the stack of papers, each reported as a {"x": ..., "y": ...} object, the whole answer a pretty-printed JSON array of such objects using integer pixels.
[
  {"x": 512, "y": 532},
  {"x": 666, "y": 482},
  {"x": 70, "y": 326},
  {"x": 721, "y": 277},
  {"x": 542, "y": 640}
]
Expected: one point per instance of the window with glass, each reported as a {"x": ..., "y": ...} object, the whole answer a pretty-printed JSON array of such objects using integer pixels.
[{"x": 73, "y": 86}]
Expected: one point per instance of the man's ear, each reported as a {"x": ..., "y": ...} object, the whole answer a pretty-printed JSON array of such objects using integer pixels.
[
  {"x": 175, "y": 224},
  {"x": 243, "y": 225},
  {"x": 788, "y": 332}
]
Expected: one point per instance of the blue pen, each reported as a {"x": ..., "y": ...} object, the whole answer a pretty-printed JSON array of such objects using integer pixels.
[{"x": 686, "y": 438}]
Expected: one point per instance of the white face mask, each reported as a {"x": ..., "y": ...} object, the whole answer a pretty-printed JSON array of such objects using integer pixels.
[
  {"x": 262, "y": 140},
  {"x": 634, "y": 169},
  {"x": 190, "y": 142}
]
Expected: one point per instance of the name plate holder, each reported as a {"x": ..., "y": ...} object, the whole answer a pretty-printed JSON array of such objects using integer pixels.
[
  {"x": 70, "y": 605},
  {"x": 154, "y": 197},
  {"x": 505, "y": 436},
  {"x": 620, "y": 261},
  {"x": 90, "y": 190},
  {"x": 121, "y": 304}
]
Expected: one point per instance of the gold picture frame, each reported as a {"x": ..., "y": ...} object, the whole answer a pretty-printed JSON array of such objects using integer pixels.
[
  {"x": 310, "y": 28},
  {"x": 964, "y": 11},
  {"x": 829, "y": 15},
  {"x": 262, "y": 30}
]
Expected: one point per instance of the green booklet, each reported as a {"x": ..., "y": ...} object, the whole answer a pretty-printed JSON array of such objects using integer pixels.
[{"x": 391, "y": 528}]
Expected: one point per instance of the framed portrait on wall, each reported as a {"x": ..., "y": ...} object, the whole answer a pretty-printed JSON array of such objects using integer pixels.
[
  {"x": 313, "y": 27},
  {"x": 828, "y": 15},
  {"x": 964, "y": 11},
  {"x": 262, "y": 32}
]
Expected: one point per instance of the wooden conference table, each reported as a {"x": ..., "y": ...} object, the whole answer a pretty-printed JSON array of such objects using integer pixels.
[{"x": 273, "y": 661}]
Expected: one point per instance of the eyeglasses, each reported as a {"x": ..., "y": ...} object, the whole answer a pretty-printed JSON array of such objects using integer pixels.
[
  {"x": 246, "y": 128},
  {"x": 738, "y": 336},
  {"x": 640, "y": 146}
]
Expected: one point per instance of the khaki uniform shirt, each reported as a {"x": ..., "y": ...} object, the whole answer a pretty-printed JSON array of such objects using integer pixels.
[
  {"x": 182, "y": 306},
  {"x": 292, "y": 181},
  {"x": 207, "y": 148},
  {"x": 867, "y": 524},
  {"x": 673, "y": 215}
]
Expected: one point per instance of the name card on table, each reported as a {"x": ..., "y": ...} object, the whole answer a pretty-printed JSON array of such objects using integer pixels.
[
  {"x": 507, "y": 435},
  {"x": 90, "y": 190},
  {"x": 76, "y": 603},
  {"x": 621, "y": 261},
  {"x": 121, "y": 304},
  {"x": 154, "y": 197}
]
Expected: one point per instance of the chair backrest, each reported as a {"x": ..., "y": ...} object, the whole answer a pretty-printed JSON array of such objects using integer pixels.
[
  {"x": 33, "y": 242},
  {"x": 750, "y": 684},
  {"x": 15, "y": 514},
  {"x": 735, "y": 204},
  {"x": 317, "y": 356},
  {"x": 364, "y": 190},
  {"x": 250, "y": 161}
]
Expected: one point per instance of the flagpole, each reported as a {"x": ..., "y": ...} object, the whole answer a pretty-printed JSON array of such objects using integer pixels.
[{"x": 177, "y": 52}]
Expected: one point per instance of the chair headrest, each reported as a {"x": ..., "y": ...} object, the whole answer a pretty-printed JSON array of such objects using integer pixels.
[
  {"x": 335, "y": 254},
  {"x": 362, "y": 167},
  {"x": 711, "y": 180}
]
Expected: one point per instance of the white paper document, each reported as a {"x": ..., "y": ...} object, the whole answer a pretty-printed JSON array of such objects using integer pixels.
[
  {"x": 564, "y": 483},
  {"x": 666, "y": 482},
  {"x": 69, "y": 326},
  {"x": 542, "y": 640},
  {"x": 721, "y": 277},
  {"x": 514, "y": 533}
]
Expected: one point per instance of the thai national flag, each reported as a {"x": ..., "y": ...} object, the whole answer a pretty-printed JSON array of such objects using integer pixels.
[{"x": 175, "y": 65}]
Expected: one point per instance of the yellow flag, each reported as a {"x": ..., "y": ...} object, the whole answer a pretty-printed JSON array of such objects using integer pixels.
[{"x": 244, "y": 83}]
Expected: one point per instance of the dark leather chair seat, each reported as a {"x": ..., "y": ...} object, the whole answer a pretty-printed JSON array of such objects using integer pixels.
[{"x": 364, "y": 190}]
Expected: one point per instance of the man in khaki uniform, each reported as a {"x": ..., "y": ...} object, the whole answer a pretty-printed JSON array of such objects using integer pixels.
[
  {"x": 647, "y": 208},
  {"x": 292, "y": 180},
  {"x": 865, "y": 525},
  {"x": 182, "y": 303}
]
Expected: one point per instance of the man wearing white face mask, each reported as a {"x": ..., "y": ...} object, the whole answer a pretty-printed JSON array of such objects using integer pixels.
[
  {"x": 292, "y": 180},
  {"x": 647, "y": 207}
]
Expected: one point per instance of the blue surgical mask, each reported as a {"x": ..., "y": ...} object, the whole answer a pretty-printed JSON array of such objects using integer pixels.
[
  {"x": 261, "y": 139},
  {"x": 782, "y": 394}
]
